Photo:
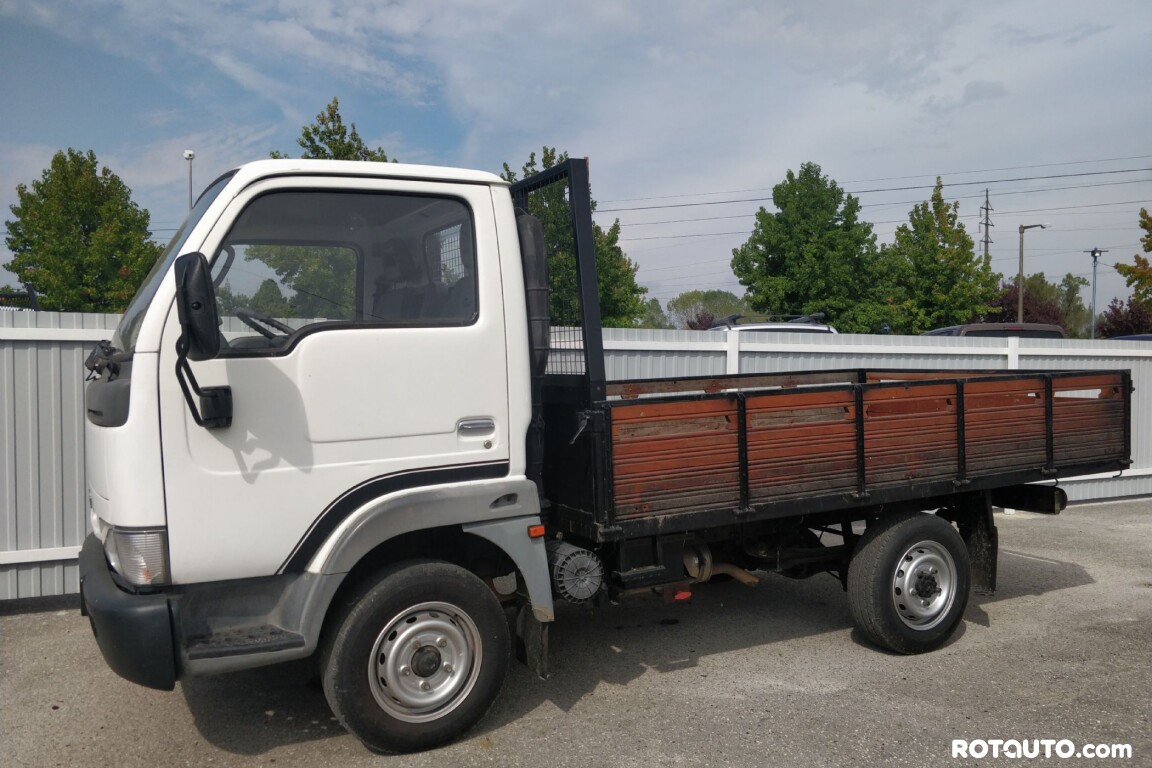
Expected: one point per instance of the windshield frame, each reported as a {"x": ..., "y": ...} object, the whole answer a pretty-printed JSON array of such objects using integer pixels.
[{"x": 124, "y": 338}]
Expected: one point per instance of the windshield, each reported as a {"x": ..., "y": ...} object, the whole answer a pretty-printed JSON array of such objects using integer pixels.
[{"x": 125, "y": 337}]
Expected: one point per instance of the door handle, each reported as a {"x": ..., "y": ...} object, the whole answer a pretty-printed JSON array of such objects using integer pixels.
[{"x": 475, "y": 427}]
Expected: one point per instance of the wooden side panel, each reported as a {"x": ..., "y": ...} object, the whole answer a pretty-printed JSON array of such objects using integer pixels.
[
  {"x": 910, "y": 434},
  {"x": 801, "y": 444},
  {"x": 1087, "y": 418},
  {"x": 675, "y": 456},
  {"x": 1005, "y": 424}
]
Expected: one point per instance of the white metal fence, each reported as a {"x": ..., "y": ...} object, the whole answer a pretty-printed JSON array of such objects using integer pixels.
[{"x": 43, "y": 517}]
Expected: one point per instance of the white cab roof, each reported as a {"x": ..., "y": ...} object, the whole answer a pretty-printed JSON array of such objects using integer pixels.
[{"x": 250, "y": 172}]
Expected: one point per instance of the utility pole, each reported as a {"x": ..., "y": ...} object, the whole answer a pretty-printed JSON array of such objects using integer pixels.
[
  {"x": 986, "y": 209},
  {"x": 1095, "y": 256},
  {"x": 1020, "y": 279}
]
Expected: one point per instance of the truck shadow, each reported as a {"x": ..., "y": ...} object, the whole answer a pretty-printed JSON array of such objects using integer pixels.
[
  {"x": 255, "y": 711},
  {"x": 1021, "y": 574}
]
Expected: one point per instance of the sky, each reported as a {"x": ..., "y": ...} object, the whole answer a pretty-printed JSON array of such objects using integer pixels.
[{"x": 689, "y": 112}]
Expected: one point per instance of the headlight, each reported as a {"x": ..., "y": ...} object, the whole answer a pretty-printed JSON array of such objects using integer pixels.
[{"x": 140, "y": 555}]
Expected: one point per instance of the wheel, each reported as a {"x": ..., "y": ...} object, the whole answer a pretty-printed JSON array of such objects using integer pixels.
[
  {"x": 417, "y": 658},
  {"x": 262, "y": 323},
  {"x": 908, "y": 583}
]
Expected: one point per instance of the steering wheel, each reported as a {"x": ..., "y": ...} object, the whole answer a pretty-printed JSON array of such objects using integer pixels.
[{"x": 262, "y": 323}]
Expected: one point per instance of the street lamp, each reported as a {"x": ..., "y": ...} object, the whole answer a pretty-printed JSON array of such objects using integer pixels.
[
  {"x": 189, "y": 155},
  {"x": 1020, "y": 279},
  {"x": 1095, "y": 255}
]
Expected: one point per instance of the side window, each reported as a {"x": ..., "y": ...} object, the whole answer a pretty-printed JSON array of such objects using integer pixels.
[{"x": 295, "y": 259}]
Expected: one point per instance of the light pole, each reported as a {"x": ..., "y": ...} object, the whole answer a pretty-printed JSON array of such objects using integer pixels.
[
  {"x": 1020, "y": 279},
  {"x": 1095, "y": 255},
  {"x": 189, "y": 155}
]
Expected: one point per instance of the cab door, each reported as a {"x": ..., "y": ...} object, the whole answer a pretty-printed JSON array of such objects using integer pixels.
[{"x": 365, "y": 347}]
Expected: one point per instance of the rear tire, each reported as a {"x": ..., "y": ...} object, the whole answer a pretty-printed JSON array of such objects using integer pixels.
[
  {"x": 908, "y": 583},
  {"x": 418, "y": 657}
]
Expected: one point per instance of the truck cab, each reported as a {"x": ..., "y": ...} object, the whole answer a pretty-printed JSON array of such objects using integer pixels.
[{"x": 366, "y": 393}]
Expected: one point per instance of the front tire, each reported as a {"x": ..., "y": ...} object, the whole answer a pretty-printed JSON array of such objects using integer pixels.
[
  {"x": 908, "y": 583},
  {"x": 418, "y": 657}
]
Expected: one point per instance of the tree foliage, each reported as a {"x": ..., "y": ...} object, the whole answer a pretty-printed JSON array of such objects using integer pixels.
[
  {"x": 698, "y": 310},
  {"x": 1138, "y": 275},
  {"x": 654, "y": 316},
  {"x": 815, "y": 255},
  {"x": 329, "y": 139},
  {"x": 78, "y": 238},
  {"x": 939, "y": 277},
  {"x": 1125, "y": 319},
  {"x": 1045, "y": 302},
  {"x": 621, "y": 297}
]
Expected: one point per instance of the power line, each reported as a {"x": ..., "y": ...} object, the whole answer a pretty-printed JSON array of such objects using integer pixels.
[
  {"x": 889, "y": 178},
  {"x": 882, "y": 206},
  {"x": 892, "y": 221},
  {"x": 882, "y": 189}
]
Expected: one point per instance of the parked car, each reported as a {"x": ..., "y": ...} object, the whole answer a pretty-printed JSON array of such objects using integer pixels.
[
  {"x": 1003, "y": 330},
  {"x": 813, "y": 323},
  {"x": 1133, "y": 337}
]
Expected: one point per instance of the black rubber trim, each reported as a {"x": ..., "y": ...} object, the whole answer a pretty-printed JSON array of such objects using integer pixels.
[
  {"x": 339, "y": 510},
  {"x": 134, "y": 632}
]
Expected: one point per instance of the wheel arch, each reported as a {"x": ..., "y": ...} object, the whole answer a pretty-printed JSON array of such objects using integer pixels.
[{"x": 481, "y": 527}]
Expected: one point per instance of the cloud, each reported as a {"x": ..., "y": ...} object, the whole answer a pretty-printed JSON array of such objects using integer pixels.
[{"x": 982, "y": 90}]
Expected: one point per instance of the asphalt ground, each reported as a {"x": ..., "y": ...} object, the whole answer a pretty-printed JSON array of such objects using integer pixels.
[{"x": 773, "y": 675}]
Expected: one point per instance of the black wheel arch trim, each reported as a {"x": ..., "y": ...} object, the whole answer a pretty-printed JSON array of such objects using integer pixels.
[{"x": 341, "y": 508}]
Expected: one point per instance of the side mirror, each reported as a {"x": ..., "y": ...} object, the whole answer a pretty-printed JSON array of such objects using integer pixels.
[
  {"x": 196, "y": 307},
  {"x": 199, "y": 340}
]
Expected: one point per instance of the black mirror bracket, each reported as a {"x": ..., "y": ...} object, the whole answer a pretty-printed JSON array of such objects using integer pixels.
[
  {"x": 199, "y": 340},
  {"x": 215, "y": 403}
]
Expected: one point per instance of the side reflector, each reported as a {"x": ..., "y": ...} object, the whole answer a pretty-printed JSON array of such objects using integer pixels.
[{"x": 535, "y": 531}]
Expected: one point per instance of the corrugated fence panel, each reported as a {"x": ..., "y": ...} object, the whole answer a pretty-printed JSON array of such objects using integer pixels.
[
  {"x": 42, "y": 501},
  {"x": 640, "y": 354},
  {"x": 43, "y": 517}
]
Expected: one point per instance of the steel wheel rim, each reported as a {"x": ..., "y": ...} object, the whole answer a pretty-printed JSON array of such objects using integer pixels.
[
  {"x": 924, "y": 585},
  {"x": 425, "y": 662}
]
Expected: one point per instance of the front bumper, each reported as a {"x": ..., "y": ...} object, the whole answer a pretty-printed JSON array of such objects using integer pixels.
[{"x": 134, "y": 632}]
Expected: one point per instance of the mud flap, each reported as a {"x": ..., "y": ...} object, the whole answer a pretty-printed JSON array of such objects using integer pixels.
[
  {"x": 973, "y": 516},
  {"x": 532, "y": 641}
]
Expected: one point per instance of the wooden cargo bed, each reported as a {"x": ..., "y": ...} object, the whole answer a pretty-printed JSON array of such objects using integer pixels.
[{"x": 678, "y": 454}]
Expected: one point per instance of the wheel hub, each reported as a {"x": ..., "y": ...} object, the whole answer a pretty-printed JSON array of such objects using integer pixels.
[
  {"x": 424, "y": 662},
  {"x": 924, "y": 585}
]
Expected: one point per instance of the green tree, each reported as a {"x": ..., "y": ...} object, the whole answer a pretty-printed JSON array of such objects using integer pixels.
[
  {"x": 270, "y": 300},
  {"x": 1044, "y": 302},
  {"x": 621, "y": 297},
  {"x": 1077, "y": 317},
  {"x": 697, "y": 310},
  {"x": 329, "y": 139},
  {"x": 941, "y": 278},
  {"x": 654, "y": 316},
  {"x": 78, "y": 238},
  {"x": 815, "y": 255},
  {"x": 1138, "y": 275}
]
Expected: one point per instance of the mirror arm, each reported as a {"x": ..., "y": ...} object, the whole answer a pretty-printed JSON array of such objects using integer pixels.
[{"x": 215, "y": 408}]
